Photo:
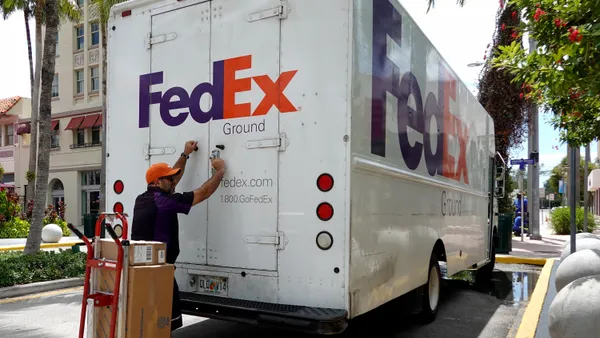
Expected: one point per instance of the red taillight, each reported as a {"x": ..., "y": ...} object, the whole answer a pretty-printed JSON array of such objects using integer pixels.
[
  {"x": 118, "y": 187},
  {"x": 118, "y": 207},
  {"x": 325, "y": 182},
  {"x": 126, "y": 13},
  {"x": 325, "y": 211}
]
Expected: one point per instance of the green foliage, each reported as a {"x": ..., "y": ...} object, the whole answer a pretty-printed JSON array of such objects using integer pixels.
[
  {"x": 18, "y": 269},
  {"x": 30, "y": 176},
  {"x": 562, "y": 73},
  {"x": 559, "y": 171},
  {"x": 14, "y": 228},
  {"x": 561, "y": 220}
]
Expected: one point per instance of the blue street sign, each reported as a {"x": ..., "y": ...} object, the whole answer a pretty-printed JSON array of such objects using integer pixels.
[{"x": 522, "y": 161}]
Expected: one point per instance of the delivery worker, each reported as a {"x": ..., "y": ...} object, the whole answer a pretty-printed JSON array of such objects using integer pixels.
[{"x": 155, "y": 213}]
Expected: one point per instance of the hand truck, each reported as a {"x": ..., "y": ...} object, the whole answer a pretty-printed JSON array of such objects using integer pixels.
[{"x": 117, "y": 300}]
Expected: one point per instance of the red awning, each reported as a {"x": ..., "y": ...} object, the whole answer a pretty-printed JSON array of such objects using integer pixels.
[
  {"x": 54, "y": 125},
  {"x": 99, "y": 121},
  {"x": 75, "y": 123},
  {"x": 89, "y": 121},
  {"x": 24, "y": 128}
]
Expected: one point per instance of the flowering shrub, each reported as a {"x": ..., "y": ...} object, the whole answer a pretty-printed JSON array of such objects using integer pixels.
[
  {"x": 15, "y": 224},
  {"x": 562, "y": 74}
]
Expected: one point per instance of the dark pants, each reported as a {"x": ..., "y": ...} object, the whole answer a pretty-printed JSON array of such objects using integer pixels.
[{"x": 176, "y": 320}]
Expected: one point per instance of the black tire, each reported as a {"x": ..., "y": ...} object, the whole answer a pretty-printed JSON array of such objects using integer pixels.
[{"x": 434, "y": 281}]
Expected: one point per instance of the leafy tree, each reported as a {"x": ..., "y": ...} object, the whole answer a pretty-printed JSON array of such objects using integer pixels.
[
  {"x": 559, "y": 171},
  {"x": 562, "y": 73}
]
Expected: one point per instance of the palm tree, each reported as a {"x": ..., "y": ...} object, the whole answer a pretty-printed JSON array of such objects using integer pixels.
[
  {"x": 35, "y": 8},
  {"x": 431, "y": 3},
  {"x": 51, "y": 11},
  {"x": 101, "y": 9}
]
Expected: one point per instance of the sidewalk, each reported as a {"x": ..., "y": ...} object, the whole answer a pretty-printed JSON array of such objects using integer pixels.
[{"x": 546, "y": 252}]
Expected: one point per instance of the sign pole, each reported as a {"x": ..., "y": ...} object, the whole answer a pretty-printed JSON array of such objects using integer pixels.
[{"x": 521, "y": 174}]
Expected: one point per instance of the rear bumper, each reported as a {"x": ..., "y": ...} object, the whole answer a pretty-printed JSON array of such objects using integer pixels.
[{"x": 290, "y": 317}]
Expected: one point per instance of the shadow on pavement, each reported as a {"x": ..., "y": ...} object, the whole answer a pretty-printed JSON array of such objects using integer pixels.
[{"x": 467, "y": 310}]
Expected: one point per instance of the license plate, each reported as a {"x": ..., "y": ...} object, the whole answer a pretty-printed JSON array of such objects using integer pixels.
[{"x": 213, "y": 285}]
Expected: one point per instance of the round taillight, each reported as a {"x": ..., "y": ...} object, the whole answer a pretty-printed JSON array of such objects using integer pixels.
[
  {"x": 324, "y": 240},
  {"x": 325, "y": 182},
  {"x": 118, "y": 186},
  {"x": 118, "y": 207},
  {"x": 325, "y": 211}
]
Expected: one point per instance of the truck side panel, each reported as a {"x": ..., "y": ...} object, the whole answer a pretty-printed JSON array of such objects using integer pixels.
[
  {"x": 126, "y": 143},
  {"x": 316, "y": 43},
  {"x": 420, "y": 150}
]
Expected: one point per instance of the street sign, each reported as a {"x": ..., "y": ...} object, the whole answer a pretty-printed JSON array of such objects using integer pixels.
[
  {"x": 542, "y": 191},
  {"x": 551, "y": 197},
  {"x": 522, "y": 161}
]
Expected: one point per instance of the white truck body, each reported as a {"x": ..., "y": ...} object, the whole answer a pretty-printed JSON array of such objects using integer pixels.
[{"x": 293, "y": 90}]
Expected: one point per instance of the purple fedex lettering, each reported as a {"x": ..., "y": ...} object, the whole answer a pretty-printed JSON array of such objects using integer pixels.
[
  {"x": 182, "y": 99},
  {"x": 387, "y": 78}
]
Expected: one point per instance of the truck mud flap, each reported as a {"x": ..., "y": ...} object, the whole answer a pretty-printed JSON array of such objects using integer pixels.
[{"x": 291, "y": 317}]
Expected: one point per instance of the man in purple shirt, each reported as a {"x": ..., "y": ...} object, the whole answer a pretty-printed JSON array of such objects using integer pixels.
[{"x": 155, "y": 213}]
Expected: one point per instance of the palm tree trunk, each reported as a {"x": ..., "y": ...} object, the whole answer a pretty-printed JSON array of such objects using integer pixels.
[
  {"x": 29, "y": 53},
  {"x": 43, "y": 165},
  {"x": 35, "y": 99},
  {"x": 104, "y": 73}
]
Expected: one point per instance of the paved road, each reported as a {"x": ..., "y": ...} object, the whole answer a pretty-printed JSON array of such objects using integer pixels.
[{"x": 466, "y": 311}]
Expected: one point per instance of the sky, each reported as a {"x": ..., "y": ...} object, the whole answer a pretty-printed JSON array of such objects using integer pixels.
[{"x": 461, "y": 35}]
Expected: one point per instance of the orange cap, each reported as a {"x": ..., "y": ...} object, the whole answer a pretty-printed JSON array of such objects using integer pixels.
[{"x": 159, "y": 170}]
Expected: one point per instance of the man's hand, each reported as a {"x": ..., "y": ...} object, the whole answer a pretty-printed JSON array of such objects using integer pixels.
[
  {"x": 190, "y": 146},
  {"x": 218, "y": 164}
]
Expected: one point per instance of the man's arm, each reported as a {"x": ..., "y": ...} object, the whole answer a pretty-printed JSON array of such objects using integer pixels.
[
  {"x": 181, "y": 162},
  {"x": 209, "y": 187}
]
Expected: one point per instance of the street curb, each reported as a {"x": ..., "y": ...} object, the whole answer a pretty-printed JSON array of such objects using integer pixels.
[
  {"x": 42, "y": 246},
  {"x": 521, "y": 260},
  {"x": 27, "y": 289},
  {"x": 529, "y": 323}
]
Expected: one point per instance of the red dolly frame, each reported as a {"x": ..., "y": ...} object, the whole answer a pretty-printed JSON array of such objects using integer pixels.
[{"x": 103, "y": 299}]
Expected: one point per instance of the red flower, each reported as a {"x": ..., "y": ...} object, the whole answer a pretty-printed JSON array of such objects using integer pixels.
[
  {"x": 521, "y": 96},
  {"x": 514, "y": 14},
  {"x": 501, "y": 3},
  {"x": 514, "y": 35},
  {"x": 575, "y": 35},
  {"x": 503, "y": 26},
  {"x": 538, "y": 12}
]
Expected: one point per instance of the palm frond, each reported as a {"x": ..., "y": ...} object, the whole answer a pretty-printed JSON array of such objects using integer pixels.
[
  {"x": 431, "y": 4},
  {"x": 101, "y": 9},
  {"x": 69, "y": 11}
]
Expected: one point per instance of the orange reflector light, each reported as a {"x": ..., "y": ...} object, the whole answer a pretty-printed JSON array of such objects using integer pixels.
[
  {"x": 325, "y": 211},
  {"x": 325, "y": 182}
]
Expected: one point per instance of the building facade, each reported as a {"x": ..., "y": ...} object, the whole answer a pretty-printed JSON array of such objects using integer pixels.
[
  {"x": 76, "y": 147},
  {"x": 11, "y": 110}
]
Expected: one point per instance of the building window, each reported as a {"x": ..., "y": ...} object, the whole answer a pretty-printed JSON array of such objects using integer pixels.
[
  {"x": 90, "y": 178},
  {"x": 79, "y": 32},
  {"x": 55, "y": 140},
  {"x": 95, "y": 29},
  {"x": 95, "y": 135},
  {"x": 80, "y": 137},
  {"x": 8, "y": 178},
  {"x": 55, "y": 86},
  {"x": 79, "y": 81},
  {"x": 94, "y": 78},
  {"x": 8, "y": 132}
]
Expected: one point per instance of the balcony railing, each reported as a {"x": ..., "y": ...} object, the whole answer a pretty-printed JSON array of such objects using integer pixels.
[{"x": 86, "y": 145}]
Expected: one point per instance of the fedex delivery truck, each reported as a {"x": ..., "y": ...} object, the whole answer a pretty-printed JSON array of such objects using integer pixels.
[{"x": 357, "y": 161}]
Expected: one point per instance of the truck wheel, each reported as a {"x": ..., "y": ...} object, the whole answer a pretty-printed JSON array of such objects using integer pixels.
[{"x": 431, "y": 292}]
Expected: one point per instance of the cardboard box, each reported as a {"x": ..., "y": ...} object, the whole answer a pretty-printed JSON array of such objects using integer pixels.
[
  {"x": 149, "y": 302},
  {"x": 140, "y": 252}
]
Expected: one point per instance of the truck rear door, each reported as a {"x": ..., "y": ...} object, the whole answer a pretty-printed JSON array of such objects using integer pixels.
[{"x": 220, "y": 70}]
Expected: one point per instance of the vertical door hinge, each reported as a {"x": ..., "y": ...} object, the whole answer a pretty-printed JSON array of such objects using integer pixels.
[{"x": 280, "y": 11}]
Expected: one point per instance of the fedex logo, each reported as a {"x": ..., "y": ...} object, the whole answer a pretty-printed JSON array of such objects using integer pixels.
[
  {"x": 222, "y": 90},
  {"x": 402, "y": 84}
]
